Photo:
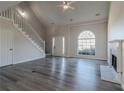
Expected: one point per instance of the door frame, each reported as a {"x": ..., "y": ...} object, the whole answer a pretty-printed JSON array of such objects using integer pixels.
[
  {"x": 10, "y": 48},
  {"x": 63, "y": 45}
]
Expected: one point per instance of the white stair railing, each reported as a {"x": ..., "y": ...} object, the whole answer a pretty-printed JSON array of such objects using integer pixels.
[{"x": 24, "y": 27}]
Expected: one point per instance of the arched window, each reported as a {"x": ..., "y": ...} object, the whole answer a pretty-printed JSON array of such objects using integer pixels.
[{"x": 86, "y": 43}]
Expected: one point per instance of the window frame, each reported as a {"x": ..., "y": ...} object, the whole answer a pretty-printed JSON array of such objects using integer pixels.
[{"x": 89, "y": 51}]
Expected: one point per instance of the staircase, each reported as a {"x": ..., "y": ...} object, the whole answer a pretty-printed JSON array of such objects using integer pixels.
[{"x": 24, "y": 27}]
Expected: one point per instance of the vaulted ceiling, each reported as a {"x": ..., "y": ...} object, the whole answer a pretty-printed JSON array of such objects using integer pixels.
[
  {"x": 48, "y": 13},
  {"x": 7, "y": 4}
]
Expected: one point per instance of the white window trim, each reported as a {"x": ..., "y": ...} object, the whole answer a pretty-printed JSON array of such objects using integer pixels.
[{"x": 86, "y": 45}]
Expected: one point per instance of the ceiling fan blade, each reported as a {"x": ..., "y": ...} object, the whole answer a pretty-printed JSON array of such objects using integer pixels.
[
  {"x": 71, "y": 2},
  {"x": 71, "y": 7},
  {"x": 59, "y": 5}
]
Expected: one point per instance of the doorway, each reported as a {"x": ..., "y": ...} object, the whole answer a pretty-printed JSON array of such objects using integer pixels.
[
  {"x": 6, "y": 43},
  {"x": 58, "y": 46}
]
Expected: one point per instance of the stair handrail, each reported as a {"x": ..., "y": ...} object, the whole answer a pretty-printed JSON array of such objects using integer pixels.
[
  {"x": 18, "y": 19},
  {"x": 30, "y": 27}
]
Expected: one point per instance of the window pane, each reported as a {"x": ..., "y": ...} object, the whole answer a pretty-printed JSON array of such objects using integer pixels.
[{"x": 86, "y": 43}]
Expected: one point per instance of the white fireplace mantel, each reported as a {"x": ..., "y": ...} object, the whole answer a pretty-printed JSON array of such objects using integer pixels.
[
  {"x": 108, "y": 72},
  {"x": 115, "y": 48}
]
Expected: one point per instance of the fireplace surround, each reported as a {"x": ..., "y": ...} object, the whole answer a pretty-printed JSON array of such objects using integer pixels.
[
  {"x": 116, "y": 55},
  {"x": 115, "y": 59},
  {"x": 113, "y": 72}
]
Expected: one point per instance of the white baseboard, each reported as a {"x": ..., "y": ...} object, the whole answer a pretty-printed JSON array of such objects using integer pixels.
[
  {"x": 27, "y": 60},
  {"x": 86, "y": 58},
  {"x": 122, "y": 85}
]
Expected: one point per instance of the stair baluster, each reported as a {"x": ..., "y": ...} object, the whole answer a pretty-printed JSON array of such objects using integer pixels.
[{"x": 23, "y": 26}]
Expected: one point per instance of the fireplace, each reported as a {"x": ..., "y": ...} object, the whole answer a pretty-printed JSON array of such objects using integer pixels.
[
  {"x": 114, "y": 62},
  {"x": 113, "y": 72},
  {"x": 116, "y": 59},
  {"x": 116, "y": 56}
]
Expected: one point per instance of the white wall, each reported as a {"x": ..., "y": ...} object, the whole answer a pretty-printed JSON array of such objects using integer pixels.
[
  {"x": 116, "y": 21},
  {"x": 71, "y": 33},
  {"x": 116, "y": 24},
  {"x": 23, "y": 49},
  {"x": 6, "y": 42},
  {"x": 8, "y": 4},
  {"x": 30, "y": 17}
]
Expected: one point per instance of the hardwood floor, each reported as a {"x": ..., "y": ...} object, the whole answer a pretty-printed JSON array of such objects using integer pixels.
[{"x": 55, "y": 74}]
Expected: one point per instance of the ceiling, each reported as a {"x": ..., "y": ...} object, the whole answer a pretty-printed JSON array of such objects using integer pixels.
[
  {"x": 48, "y": 13},
  {"x": 6, "y": 4}
]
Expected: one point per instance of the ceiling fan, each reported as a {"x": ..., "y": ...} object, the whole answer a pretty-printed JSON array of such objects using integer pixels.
[{"x": 66, "y": 5}]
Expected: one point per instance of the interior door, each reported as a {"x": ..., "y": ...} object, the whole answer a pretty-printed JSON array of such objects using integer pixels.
[
  {"x": 6, "y": 43},
  {"x": 59, "y": 44},
  {"x": 123, "y": 63}
]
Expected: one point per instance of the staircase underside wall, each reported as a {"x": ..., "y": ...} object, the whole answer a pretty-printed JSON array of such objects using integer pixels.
[{"x": 23, "y": 49}]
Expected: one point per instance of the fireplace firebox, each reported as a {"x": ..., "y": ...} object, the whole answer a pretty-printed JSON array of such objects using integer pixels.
[{"x": 114, "y": 62}]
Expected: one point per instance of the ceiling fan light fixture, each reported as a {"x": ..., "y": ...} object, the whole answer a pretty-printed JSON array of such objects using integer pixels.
[{"x": 65, "y": 7}]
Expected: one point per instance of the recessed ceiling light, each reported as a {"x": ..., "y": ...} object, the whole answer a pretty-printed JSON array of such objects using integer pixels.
[
  {"x": 52, "y": 23},
  {"x": 71, "y": 19},
  {"x": 22, "y": 12},
  {"x": 97, "y": 14}
]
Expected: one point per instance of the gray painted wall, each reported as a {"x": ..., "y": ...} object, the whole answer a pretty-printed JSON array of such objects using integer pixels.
[{"x": 71, "y": 34}]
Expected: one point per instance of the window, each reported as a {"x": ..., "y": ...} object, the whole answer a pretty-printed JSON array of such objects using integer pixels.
[
  {"x": 53, "y": 45},
  {"x": 63, "y": 43},
  {"x": 86, "y": 43}
]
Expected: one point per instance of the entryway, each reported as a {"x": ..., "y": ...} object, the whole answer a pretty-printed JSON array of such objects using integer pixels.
[
  {"x": 58, "y": 48},
  {"x": 6, "y": 43}
]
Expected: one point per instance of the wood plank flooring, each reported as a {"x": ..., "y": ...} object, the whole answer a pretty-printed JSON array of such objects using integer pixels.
[{"x": 55, "y": 74}]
